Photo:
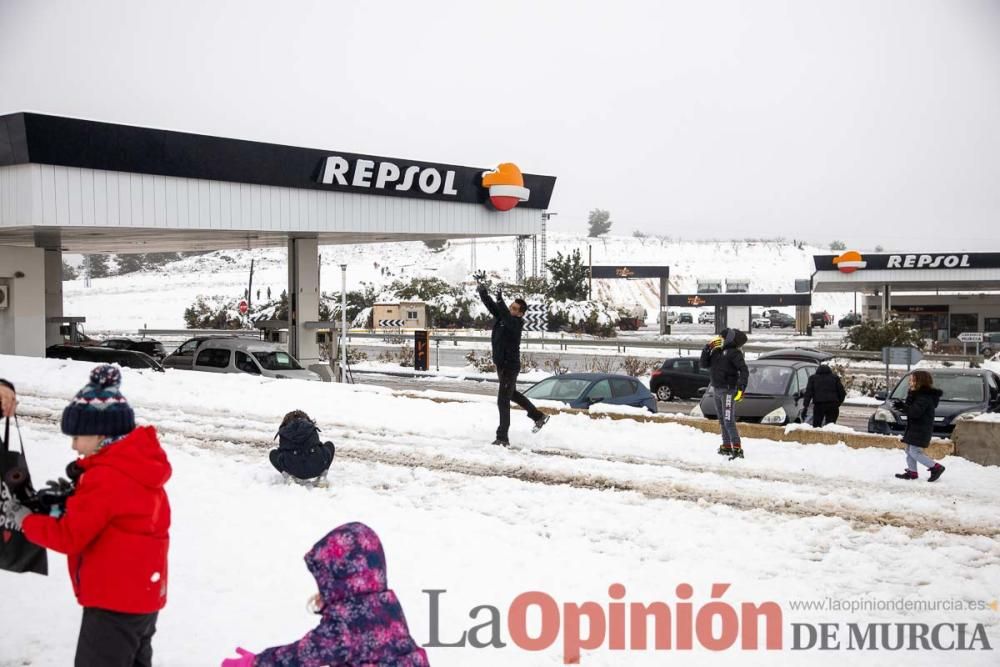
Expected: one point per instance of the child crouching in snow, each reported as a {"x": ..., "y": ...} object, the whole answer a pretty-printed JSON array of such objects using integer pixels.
[
  {"x": 362, "y": 621},
  {"x": 300, "y": 453},
  {"x": 114, "y": 527}
]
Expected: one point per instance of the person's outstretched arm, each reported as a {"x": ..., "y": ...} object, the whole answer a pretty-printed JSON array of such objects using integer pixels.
[
  {"x": 808, "y": 393},
  {"x": 322, "y": 646},
  {"x": 488, "y": 301}
]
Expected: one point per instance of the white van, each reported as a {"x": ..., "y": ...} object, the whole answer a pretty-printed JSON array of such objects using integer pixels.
[{"x": 239, "y": 355}]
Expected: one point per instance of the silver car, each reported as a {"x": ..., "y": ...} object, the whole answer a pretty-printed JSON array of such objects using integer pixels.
[{"x": 240, "y": 355}]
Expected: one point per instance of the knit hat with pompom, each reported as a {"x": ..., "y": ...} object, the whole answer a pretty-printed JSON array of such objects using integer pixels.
[{"x": 99, "y": 408}]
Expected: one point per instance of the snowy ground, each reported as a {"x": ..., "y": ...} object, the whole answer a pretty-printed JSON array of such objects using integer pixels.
[{"x": 597, "y": 502}]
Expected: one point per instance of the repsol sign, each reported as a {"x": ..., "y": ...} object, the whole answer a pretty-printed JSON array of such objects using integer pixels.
[
  {"x": 928, "y": 262},
  {"x": 853, "y": 261},
  {"x": 366, "y": 174}
]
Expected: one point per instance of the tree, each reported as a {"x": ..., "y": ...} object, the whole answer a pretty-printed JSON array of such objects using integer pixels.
[
  {"x": 639, "y": 234},
  {"x": 130, "y": 263},
  {"x": 599, "y": 222},
  {"x": 874, "y": 335},
  {"x": 568, "y": 277},
  {"x": 436, "y": 245},
  {"x": 156, "y": 259},
  {"x": 96, "y": 266},
  {"x": 838, "y": 245},
  {"x": 68, "y": 272}
]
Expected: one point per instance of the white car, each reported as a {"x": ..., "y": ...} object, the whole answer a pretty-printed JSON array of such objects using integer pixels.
[
  {"x": 761, "y": 323},
  {"x": 707, "y": 317},
  {"x": 239, "y": 355}
]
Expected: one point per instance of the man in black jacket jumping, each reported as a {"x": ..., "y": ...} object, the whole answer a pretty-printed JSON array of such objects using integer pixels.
[{"x": 506, "y": 342}]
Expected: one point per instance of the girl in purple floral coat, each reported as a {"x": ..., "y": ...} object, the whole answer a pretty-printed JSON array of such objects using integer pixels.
[{"x": 362, "y": 625}]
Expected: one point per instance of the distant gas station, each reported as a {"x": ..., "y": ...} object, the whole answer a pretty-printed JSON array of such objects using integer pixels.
[{"x": 81, "y": 186}]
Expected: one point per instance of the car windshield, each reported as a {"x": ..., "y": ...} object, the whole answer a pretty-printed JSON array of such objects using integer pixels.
[
  {"x": 769, "y": 380},
  {"x": 958, "y": 388},
  {"x": 559, "y": 389},
  {"x": 276, "y": 361}
]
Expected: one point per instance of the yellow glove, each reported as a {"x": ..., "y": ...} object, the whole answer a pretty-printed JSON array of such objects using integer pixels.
[
  {"x": 715, "y": 342},
  {"x": 739, "y": 396}
]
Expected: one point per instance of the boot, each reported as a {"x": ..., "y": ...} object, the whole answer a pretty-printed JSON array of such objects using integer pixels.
[
  {"x": 737, "y": 452},
  {"x": 726, "y": 450},
  {"x": 539, "y": 423},
  {"x": 501, "y": 442},
  {"x": 936, "y": 472},
  {"x": 909, "y": 474}
]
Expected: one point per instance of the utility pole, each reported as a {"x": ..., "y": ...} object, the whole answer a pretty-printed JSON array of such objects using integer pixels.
[
  {"x": 590, "y": 273},
  {"x": 250, "y": 288},
  {"x": 343, "y": 323}
]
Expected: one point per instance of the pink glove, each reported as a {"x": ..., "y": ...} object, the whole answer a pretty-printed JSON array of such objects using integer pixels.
[{"x": 245, "y": 660}]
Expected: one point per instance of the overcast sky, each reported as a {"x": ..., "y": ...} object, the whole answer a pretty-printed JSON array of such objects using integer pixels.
[{"x": 870, "y": 121}]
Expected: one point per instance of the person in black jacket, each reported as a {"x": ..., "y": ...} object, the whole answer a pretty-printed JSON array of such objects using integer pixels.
[
  {"x": 729, "y": 376},
  {"x": 826, "y": 392},
  {"x": 8, "y": 399},
  {"x": 506, "y": 343},
  {"x": 921, "y": 402},
  {"x": 300, "y": 453}
]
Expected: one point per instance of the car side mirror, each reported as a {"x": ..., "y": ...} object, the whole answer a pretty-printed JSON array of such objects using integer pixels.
[
  {"x": 594, "y": 399},
  {"x": 881, "y": 395},
  {"x": 702, "y": 390}
]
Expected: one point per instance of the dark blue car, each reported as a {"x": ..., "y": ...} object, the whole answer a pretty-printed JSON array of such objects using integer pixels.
[{"x": 581, "y": 390}]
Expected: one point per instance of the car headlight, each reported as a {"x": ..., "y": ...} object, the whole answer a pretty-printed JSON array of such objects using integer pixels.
[
  {"x": 778, "y": 416},
  {"x": 883, "y": 415},
  {"x": 968, "y": 415},
  {"x": 696, "y": 411}
]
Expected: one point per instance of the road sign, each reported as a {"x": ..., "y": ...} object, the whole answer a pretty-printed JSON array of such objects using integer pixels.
[
  {"x": 971, "y": 337},
  {"x": 244, "y": 307},
  {"x": 537, "y": 316},
  {"x": 901, "y": 355},
  {"x": 386, "y": 324}
]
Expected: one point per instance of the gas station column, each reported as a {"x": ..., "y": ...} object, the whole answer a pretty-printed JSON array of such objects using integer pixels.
[
  {"x": 303, "y": 299},
  {"x": 53, "y": 296}
]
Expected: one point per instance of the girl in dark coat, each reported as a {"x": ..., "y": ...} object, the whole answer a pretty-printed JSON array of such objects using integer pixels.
[
  {"x": 300, "y": 452},
  {"x": 919, "y": 406}
]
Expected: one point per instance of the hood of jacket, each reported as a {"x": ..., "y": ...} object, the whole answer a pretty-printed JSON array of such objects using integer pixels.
[
  {"x": 733, "y": 338},
  {"x": 824, "y": 370},
  {"x": 348, "y": 562},
  {"x": 298, "y": 434},
  {"x": 932, "y": 393},
  {"x": 138, "y": 455}
]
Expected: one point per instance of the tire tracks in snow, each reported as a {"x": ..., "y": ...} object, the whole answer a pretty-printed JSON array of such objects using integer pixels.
[{"x": 378, "y": 446}]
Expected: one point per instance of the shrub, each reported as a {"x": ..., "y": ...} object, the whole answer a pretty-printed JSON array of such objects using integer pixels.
[
  {"x": 405, "y": 356},
  {"x": 481, "y": 361},
  {"x": 602, "y": 364},
  {"x": 874, "y": 335},
  {"x": 637, "y": 367},
  {"x": 554, "y": 365}
]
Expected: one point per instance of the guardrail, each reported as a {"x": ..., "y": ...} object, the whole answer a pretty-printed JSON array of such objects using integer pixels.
[{"x": 563, "y": 343}]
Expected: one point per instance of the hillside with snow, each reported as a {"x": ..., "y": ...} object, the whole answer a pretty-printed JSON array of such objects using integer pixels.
[{"x": 157, "y": 299}]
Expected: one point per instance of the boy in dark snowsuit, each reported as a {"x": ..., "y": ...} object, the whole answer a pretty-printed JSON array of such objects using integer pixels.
[
  {"x": 114, "y": 529},
  {"x": 362, "y": 623},
  {"x": 729, "y": 376},
  {"x": 920, "y": 404},
  {"x": 300, "y": 452},
  {"x": 826, "y": 392}
]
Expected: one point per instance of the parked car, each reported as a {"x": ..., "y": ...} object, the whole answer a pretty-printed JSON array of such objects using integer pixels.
[
  {"x": 773, "y": 396},
  {"x": 685, "y": 318},
  {"x": 849, "y": 320},
  {"x": 241, "y": 355},
  {"x": 990, "y": 344},
  {"x": 104, "y": 355},
  {"x": 706, "y": 317},
  {"x": 183, "y": 356},
  {"x": 797, "y": 354},
  {"x": 760, "y": 323},
  {"x": 153, "y": 348},
  {"x": 967, "y": 393},
  {"x": 680, "y": 377},
  {"x": 781, "y": 320},
  {"x": 581, "y": 390},
  {"x": 820, "y": 319}
]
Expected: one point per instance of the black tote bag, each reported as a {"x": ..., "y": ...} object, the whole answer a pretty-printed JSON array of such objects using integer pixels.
[{"x": 17, "y": 554}]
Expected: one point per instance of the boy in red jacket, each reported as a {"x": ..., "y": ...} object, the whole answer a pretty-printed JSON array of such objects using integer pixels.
[{"x": 115, "y": 526}]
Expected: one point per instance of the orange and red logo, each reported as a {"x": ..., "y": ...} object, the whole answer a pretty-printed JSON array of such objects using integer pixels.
[
  {"x": 506, "y": 186},
  {"x": 850, "y": 262}
]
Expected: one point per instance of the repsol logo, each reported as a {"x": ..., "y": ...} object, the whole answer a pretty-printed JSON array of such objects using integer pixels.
[
  {"x": 385, "y": 175},
  {"x": 928, "y": 261}
]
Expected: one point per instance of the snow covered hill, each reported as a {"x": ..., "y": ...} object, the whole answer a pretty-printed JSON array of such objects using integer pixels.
[{"x": 158, "y": 298}]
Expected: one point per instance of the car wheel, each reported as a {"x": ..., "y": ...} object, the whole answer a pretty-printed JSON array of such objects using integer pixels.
[{"x": 665, "y": 393}]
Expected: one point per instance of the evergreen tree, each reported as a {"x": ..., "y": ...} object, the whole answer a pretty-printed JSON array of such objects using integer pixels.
[
  {"x": 130, "y": 263},
  {"x": 568, "y": 277},
  {"x": 96, "y": 265},
  {"x": 838, "y": 245},
  {"x": 436, "y": 245},
  {"x": 68, "y": 272},
  {"x": 599, "y": 222}
]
